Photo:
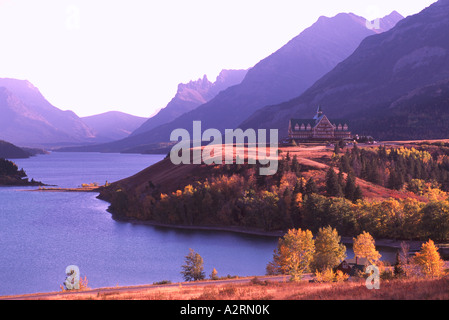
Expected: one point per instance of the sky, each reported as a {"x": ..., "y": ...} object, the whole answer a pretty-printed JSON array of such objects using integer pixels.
[{"x": 95, "y": 56}]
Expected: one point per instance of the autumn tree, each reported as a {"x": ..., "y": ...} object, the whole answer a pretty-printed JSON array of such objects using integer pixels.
[
  {"x": 329, "y": 251},
  {"x": 213, "y": 275},
  {"x": 364, "y": 247},
  {"x": 429, "y": 260},
  {"x": 193, "y": 268},
  {"x": 294, "y": 254}
]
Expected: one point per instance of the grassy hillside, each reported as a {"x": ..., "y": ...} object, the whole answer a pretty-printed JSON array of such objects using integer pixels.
[{"x": 387, "y": 182}]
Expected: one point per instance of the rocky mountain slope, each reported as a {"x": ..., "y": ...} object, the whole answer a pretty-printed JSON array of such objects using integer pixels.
[{"x": 394, "y": 86}]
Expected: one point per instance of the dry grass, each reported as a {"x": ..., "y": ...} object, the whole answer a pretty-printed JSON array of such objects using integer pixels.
[{"x": 405, "y": 289}]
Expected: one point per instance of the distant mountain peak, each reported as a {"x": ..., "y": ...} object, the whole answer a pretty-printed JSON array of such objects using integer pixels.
[
  {"x": 200, "y": 85},
  {"x": 191, "y": 95}
]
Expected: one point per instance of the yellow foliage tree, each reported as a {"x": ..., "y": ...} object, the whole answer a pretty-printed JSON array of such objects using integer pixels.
[
  {"x": 429, "y": 260},
  {"x": 294, "y": 254},
  {"x": 364, "y": 247}
]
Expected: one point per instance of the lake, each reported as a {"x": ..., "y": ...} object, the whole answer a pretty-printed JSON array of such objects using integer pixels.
[{"x": 41, "y": 233}]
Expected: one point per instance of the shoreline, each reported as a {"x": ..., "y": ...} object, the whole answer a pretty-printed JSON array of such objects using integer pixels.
[
  {"x": 240, "y": 230},
  {"x": 415, "y": 245},
  {"x": 82, "y": 189}
]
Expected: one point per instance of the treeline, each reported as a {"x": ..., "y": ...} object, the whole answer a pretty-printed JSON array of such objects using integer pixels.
[
  {"x": 234, "y": 201},
  {"x": 406, "y": 219},
  {"x": 394, "y": 168},
  {"x": 232, "y": 197},
  {"x": 236, "y": 195},
  {"x": 9, "y": 168}
]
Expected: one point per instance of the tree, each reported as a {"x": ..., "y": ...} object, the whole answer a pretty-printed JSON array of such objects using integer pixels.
[
  {"x": 333, "y": 187},
  {"x": 193, "y": 269},
  {"x": 329, "y": 251},
  {"x": 398, "y": 266},
  {"x": 364, "y": 247},
  {"x": 311, "y": 187},
  {"x": 429, "y": 260},
  {"x": 296, "y": 168},
  {"x": 337, "y": 148},
  {"x": 350, "y": 187},
  {"x": 213, "y": 275},
  {"x": 358, "y": 194},
  {"x": 294, "y": 254}
]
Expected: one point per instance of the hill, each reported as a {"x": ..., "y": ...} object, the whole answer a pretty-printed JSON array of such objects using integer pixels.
[
  {"x": 112, "y": 125},
  {"x": 10, "y": 175},
  {"x": 394, "y": 86},
  {"x": 10, "y": 151}
]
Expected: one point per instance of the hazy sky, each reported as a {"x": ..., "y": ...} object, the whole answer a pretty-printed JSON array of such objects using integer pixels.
[{"x": 98, "y": 55}]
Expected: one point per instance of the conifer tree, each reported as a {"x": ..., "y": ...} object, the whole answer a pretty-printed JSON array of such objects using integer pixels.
[
  {"x": 350, "y": 188},
  {"x": 333, "y": 187},
  {"x": 398, "y": 266},
  {"x": 311, "y": 187},
  {"x": 358, "y": 194}
]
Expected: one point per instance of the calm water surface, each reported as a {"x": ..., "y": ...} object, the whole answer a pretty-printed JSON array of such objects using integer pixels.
[{"x": 41, "y": 233}]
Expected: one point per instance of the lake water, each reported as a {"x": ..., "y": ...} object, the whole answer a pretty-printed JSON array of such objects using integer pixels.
[{"x": 41, "y": 233}]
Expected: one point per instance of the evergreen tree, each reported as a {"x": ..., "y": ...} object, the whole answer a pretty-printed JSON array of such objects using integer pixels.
[
  {"x": 358, "y": 194},
  {"x": 333, "y": 187},
  {"x": 311, "y": 187},
  {"x": 398, "y": 266},
  {"x": 337, "y": 149},
  {"x": 296, "y": 168},
  {"x": 350, "y": 188}
]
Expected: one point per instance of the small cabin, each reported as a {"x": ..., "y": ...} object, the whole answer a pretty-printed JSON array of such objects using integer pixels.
[{"x": 351, "y": 266}]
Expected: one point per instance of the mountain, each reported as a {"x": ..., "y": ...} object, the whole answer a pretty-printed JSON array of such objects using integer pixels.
[
  {"x": 394, "y": 86},
  {"x": 28, "y": 119},
  {"x": 10, "y": 151},
  {"x": 113, "y": 125},
  {"x": 191, "y": 95},
  {"x": 282, "y": 76}
]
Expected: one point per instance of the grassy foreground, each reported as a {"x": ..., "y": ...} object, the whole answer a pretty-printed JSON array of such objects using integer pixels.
[{"x": 399, "y": 289}]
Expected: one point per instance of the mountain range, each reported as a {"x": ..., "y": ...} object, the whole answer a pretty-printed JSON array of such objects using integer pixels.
[
  {"x": 391, "y": 82},
  {"x": 285, "y": 74},
  {"x": 394, "y": 86},
  {"x": 28, "y": 119},
  {"x": 191, "y": 95}
]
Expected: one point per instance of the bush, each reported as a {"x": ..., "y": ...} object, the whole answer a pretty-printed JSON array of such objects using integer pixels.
[{"x": 328, "y": 275}]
